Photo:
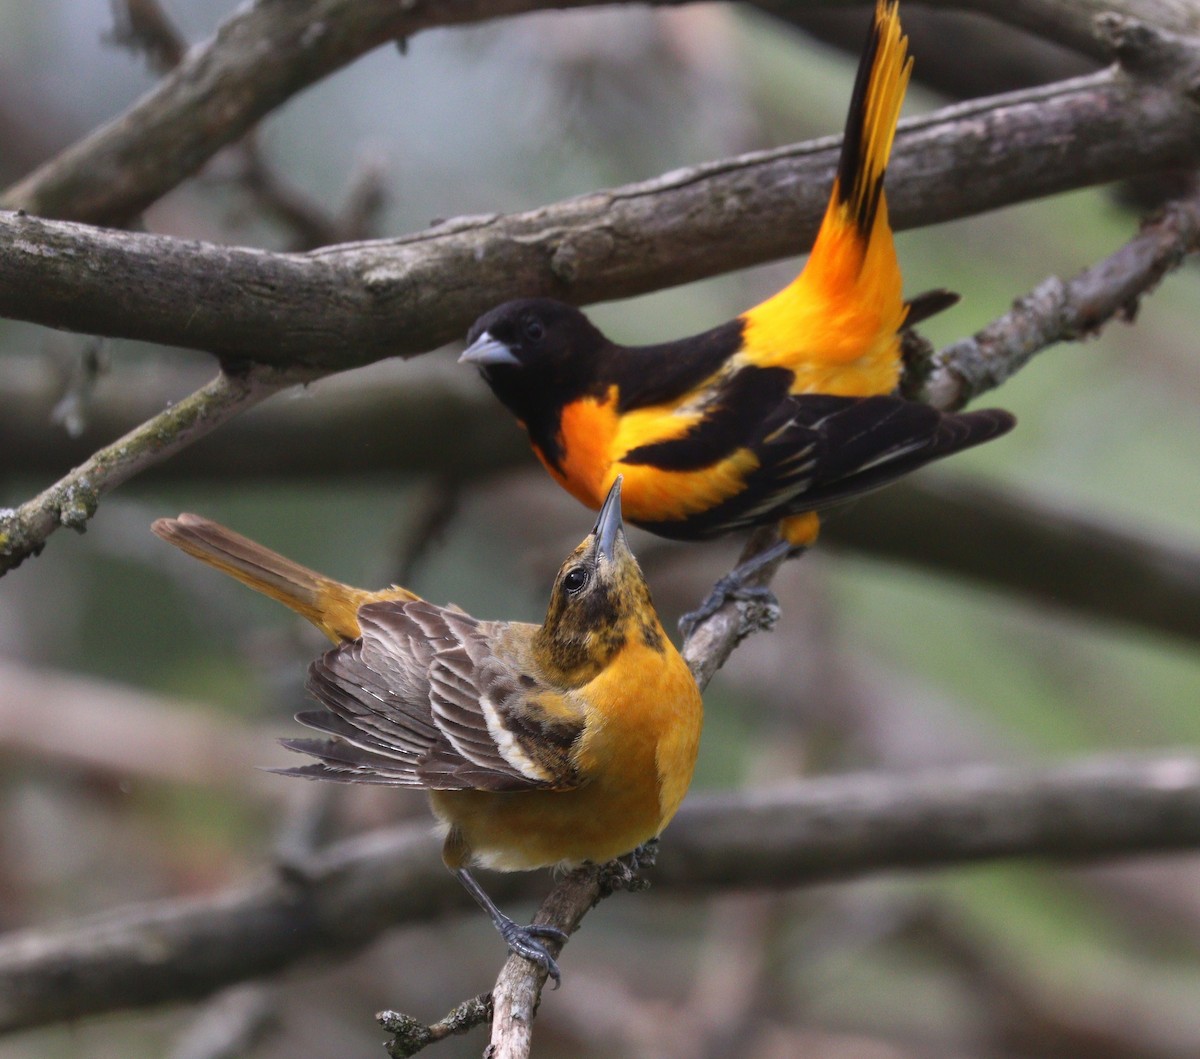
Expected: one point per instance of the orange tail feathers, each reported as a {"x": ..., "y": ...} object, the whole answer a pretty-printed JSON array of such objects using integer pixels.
[
  {"x": 330, "y": 605},
  {"x": 879, "y": 88},
  {"x": 854, "y": 255},
  {"x": 835, "y": 325}
]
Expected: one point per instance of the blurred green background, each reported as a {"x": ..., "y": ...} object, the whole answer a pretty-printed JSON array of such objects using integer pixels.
[{"x": 872, "y": 665}]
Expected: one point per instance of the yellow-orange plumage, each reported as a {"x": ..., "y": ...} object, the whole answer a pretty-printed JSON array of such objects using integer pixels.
[
  {"x": 836, "y": 326},
  {"x": 328, "y": 604},
  {"x": 785, "y": 410},
  {"x": 639, "y": 744},
  {"x": 539, "y": 745}
]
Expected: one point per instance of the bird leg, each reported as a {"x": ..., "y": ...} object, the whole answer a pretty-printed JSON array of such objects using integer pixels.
[
  {"x": 733, "y": 586},
  {"x": 521, "y": 940}
]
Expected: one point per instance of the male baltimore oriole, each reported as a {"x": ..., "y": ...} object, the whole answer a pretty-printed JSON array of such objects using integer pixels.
[
  {"x": 539, "y": 745},
  {"x": 783, "y": 410}
]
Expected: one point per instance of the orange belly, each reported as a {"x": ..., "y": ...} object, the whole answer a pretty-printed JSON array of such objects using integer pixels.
[{"x": 636, "y": 756}]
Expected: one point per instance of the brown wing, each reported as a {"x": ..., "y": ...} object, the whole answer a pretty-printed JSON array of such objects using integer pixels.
[{"x": 431, "y": 697}]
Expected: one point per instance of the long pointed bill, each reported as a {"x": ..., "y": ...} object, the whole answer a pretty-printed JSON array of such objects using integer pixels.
[
  {"x": 486, "y": 351},
  {"x": 609, "y": 524}
]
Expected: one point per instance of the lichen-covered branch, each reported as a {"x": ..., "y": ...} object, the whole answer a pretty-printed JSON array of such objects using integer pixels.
[
  {"x": 1062, "y": 310},
  {"x": 72, "y": 500}
]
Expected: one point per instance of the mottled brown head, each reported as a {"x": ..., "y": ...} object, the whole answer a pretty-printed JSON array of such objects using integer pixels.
[{"x": 600, "y": 603}]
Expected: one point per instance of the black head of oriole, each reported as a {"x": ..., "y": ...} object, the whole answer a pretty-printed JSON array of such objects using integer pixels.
[
  {"x": 784, "y": 410},
  {"x": 539, "y": 745}
]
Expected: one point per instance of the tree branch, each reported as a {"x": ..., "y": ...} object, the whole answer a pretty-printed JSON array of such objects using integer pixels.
[
  {"x": 811, "y": 831},
  {"x": 1047, "y": 555},
  {"x": 72, "y": 500},
  {"x": 221, "y": 89},
  {"x": 351, "y": 304},
  {"x": 1058, "y": 311}
]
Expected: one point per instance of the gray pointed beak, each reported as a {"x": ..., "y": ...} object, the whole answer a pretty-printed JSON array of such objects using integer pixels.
[
  {"x": 486, "y": 351},
  {"x": 608, "y": 524}
]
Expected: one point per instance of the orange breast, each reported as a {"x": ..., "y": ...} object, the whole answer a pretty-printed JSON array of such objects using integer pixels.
[
  {"x": 594, "y": 438},
  {"x": 637, "y": 754},
  {"x": 586, "y": 434}
]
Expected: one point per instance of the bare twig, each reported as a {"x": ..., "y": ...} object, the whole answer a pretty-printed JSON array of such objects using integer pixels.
[
  {"x": 310, "y": 224},
  {"x": 389, "y": 418},
  {"x": 1058, "y": 311},
  {"x": 143, "y": 26},
  {"x": 72, "y": 500},
  {"x": 435, "y": 510},
  {"x": 70, "y": 412},
  {"x": 409, "y": 1035},
  {"x": 817, "y": 830},
  {"x": 232, "y": 1024}
]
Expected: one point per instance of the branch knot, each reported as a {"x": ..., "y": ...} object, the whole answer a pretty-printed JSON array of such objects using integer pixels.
[{"x": 1145, "y": 50}]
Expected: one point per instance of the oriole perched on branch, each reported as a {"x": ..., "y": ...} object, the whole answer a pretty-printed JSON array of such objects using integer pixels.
[
  {"x": 539, "y": 745},
  {"x": 782, "y": 411}
]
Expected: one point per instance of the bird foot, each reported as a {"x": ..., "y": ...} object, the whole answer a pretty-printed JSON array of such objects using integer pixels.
[
  {"x": 760, "y": 613},
  {"x": 524, "y": 942},
  {"x": 624, "y": 873}
]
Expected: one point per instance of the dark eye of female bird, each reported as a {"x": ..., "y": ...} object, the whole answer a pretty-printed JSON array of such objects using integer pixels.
[
  {"x": 575, "y": 579},
  {"x": 535, "y": 330}
]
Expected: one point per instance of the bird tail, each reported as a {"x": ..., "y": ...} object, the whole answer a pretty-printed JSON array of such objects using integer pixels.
[
  {"x": 883, "y": 72},
  {"x": 835, "y": 325},
  {"x": 330, "y": 605}
]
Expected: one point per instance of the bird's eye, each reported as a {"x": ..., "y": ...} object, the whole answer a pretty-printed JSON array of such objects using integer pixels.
[
  {"x": 534, "y": 329},
  {"x": 575, "y": 579}
]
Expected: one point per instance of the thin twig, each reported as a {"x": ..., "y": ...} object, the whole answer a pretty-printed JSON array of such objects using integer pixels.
[
  {"x": 1058, "y": 311},
  {"x": 409, "y": 1035},
  {"x": 72, "y": 500},
  {"x": 232, "y": 1025},
  {"x": 435, "y": 509},
  {"x": 310, "y": 224}
]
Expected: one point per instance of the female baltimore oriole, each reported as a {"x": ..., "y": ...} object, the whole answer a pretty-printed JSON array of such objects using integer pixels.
[
  {"x": 786, "y": 409},
  {"x": 539, "y": 745}
]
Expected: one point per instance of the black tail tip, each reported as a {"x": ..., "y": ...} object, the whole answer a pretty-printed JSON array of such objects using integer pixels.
[{"x": 968, "y": 429}]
